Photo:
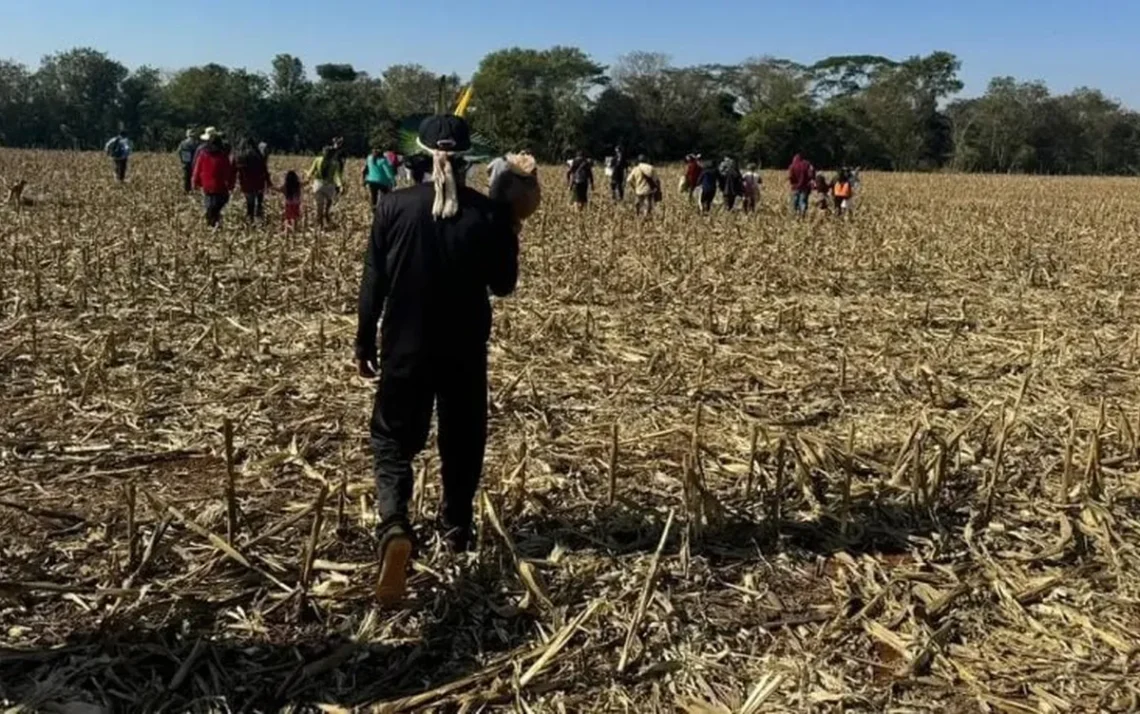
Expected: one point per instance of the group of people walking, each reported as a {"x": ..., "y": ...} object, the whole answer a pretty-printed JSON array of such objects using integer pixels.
[
  {"x": 704, "y": 179},
  {"x": 640, "y": 176},
  {"x": 214, "y": 167}
]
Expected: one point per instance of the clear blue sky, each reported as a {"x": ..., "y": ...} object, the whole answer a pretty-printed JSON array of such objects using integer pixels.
[{"x": 1064, "y": 42}]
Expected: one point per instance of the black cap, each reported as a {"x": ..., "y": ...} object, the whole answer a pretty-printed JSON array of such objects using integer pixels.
[{"x": 445, "y": 132}]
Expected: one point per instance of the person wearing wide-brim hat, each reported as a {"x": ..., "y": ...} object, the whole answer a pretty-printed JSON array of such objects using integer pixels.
[{"x": 435, "y": 252}]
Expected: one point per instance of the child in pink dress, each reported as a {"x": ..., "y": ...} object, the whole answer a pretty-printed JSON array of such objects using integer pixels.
[{"x": 291, "y": 189}]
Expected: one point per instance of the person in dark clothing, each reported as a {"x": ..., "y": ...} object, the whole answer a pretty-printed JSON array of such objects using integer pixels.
[
  {"x": 822, "y": 189},
  {"x": 252, "y": 170},
  {"x": 434, "y": 253},
  {"x": 708, "y": 181},
  {"x": 186, "y": 151},
  {"x": 214, "y": 174},
  {"x": 618, "y": 171},
  {"x": 732, "y": 183},
  {"x": 580, "y": 178}
]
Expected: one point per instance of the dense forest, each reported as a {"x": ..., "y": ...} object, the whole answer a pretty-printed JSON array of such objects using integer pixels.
[{"x": 861, "y": 110}]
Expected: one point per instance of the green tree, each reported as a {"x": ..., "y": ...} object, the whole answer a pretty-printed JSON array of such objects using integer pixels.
[
  {"x": 79, "y": 91},
  {"x": 337, "y": 72},
  {"x": 535, "y": 98},
  {"x": 412, "y": 89},
  {"x": 17, "y": 111}
]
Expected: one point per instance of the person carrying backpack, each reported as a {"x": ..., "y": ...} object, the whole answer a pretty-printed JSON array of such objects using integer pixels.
[
  {"x": 186, "y": 151},
  {"x": 119, "y": 149},
  {"x": 580, "y": 177},
  {"x": 732, "y": 183}
]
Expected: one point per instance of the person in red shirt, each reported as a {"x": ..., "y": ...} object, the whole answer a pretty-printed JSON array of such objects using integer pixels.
[
  {"x": 800, "y": 176},
  {"x": 692, "y": 174},
  {"x": 214, "y": 174}
]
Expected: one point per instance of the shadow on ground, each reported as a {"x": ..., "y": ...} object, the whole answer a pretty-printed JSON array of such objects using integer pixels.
[{"x": 186, "y": 666}]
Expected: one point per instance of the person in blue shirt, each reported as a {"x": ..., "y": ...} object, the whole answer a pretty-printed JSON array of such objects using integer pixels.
[
  {"x": 709, "y": 181},
  {"x": 119, "y": 149},
  {"x": 379, "y": 175}
]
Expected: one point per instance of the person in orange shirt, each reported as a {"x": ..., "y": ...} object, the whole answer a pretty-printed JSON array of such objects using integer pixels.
[{"x": 842, "y": 193}]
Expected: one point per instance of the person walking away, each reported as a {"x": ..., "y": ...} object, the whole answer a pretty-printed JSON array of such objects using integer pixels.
[
  {"x": 291, "y": 190},
  {"x": 119, "y": 149},
  {"x": 800, "y": 175},
  {"x": 214, "y": 175},
  {"x": 692, "y": 177},
  {"x": 618, "y": 170},
  {"x": 580, "y": 178},
  {"x": 751, "y": 181},
  {"x": 709, "y": 181},
  {"x": 327, "y": 179},
  {"x": 253, "y": 177},
  {"x": 645, "y": 184},
  {"x": 186, "y": 151},
  {"x": 732, "y": 183},
  {"x": 435, "y": 253},
  {"x": 842, "y": 193},
  {"x": 379, "y": 175},
  {"x": 822, "y": 188}
]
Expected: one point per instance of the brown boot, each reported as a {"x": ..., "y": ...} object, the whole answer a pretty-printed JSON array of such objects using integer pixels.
[{"x": 396, "y": 548}]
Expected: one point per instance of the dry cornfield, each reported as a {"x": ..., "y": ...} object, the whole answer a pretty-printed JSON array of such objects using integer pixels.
[{"x": 737, "y": 463}]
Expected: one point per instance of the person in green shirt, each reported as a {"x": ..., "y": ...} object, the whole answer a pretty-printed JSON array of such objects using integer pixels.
[
  {"x": 379, "y": 175},
  {"x": 327, "y": 175}
]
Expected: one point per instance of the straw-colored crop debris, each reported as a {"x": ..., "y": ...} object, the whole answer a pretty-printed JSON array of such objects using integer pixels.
[{"x": 737, "y": 463}]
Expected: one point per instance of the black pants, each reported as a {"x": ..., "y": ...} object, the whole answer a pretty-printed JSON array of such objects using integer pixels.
[
  {"x": 729, "y": 200},
  {"x": 121, "y": 170},
  {"x": 255, "y": 205},
  {"x": 617, "y": 188},
  {"x": 401, "y": 416},
  {"x": 187, "y": 174},
  {"x": 707, "y": 200},
  {"x": 214, "y": 203},
  {"x": 376, "y": 190}
]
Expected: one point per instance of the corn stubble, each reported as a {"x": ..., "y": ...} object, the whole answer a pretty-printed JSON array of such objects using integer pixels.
[{"x": 737, "y": 463}]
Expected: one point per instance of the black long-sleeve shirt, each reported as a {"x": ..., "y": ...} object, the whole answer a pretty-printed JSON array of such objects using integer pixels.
[{"x": 431, "y": 278}]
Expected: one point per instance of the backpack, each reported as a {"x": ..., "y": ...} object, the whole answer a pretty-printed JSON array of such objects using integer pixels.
[
  {"x": 582, "y": 173},
  {"x": 186, "y": 152},
  {"x": 733, "y": 181},
  {"x": 117, "y": 149},
  {"x": 655, "y": 186}
]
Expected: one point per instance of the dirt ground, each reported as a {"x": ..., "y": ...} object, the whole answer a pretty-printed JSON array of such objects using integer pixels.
[{"x": 737, "y": 463}]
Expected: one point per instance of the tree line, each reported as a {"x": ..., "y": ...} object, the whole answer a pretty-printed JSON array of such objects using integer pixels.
[{"x": 864, "y": 110}]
